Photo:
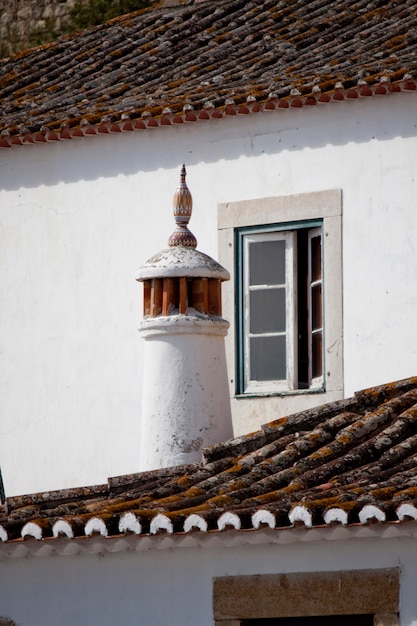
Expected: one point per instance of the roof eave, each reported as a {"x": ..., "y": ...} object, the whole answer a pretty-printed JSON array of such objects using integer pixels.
[{"x": 96, "y": 544}]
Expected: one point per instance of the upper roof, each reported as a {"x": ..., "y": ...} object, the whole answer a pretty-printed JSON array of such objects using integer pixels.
[
  {"x": 180, "y": 60},
  {"x": 346, "y": 463}
]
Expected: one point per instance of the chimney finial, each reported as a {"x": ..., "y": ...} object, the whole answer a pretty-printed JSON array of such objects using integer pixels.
[{"x": 183, "y": 206}]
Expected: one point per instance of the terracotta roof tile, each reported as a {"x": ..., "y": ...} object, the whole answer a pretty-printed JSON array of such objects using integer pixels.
[
  {"x": 176, "y": 54},
  {"x": 347, "y": 462}
]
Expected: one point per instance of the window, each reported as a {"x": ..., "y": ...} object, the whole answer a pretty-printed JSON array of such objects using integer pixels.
[
  {"x": 284, "y": 348},
  {"x": 280, "y": 308}
]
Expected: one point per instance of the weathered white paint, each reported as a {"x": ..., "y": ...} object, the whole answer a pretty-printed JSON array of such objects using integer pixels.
[
  {"x": 130, "y": 523},
  {"x": 185, "y": 396},
  {"x": 175, "y": 586},
  {"x": 161, "y": 522},
  {"x": 62, "y": 527},
  {"x": 370, "y": 512},
  {"x": 263, "y": 517},
  {"x": 32, "y": 530},
  {"x": 96, "y": 525},
  {"x": 78, "y": 218},
  {"x": 406, "y": 511},
  {"x": 195, "y": 521},
  {"x": 228, "y": 519},
  {"x": 335, "y": 515},
  {"x": 3, "y": 534}
]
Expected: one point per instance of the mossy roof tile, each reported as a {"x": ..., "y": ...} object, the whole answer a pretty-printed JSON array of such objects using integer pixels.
[
  {"x": 343, "y": 455},
  {"x": 171, "y": 54}
]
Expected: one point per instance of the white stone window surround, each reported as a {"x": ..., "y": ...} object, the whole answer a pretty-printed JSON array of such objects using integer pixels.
[{"x": 324, "y": 205}]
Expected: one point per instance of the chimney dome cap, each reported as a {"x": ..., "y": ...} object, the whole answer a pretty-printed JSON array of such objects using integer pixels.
[{"x": 181, "y": 261}]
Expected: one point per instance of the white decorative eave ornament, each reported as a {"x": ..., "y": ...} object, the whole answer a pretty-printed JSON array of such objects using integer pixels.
[
  {"x": 263, "y": 517},
  {"x": 228, "y": 519},
  {"x": 62, "y": 527},
  {"x": 405, "y": 511},
  {"x": 161, "y": 522},
  {"x": 336, "y": 515},
  {"x": 130, "y": 523},
  {"x": 95, "y": 525},
  {"x": 3, "y": 534},
  {"x": 32, "y": 530},
  {"x": 195, "y": 522},
  {"x": 369, "y": 512},
  {"x": 301, "y": 514}
]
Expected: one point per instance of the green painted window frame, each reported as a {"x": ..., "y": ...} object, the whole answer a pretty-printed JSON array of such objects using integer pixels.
[{"x": 240, "y": 234}]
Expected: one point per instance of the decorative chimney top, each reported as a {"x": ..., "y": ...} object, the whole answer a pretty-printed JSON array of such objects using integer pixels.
[
  {"x": 181, "y": 280},
  {"x": 183, "y": 206}
]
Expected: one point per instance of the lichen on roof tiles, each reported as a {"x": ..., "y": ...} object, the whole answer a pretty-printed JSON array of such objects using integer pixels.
[
  {"x": 348, "y": 462},
  {"x": 172, "y": 54}
]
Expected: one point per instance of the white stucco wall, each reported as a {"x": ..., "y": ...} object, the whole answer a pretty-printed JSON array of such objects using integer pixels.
[
  {"x": 175, "y": 586},
  {"x": 78, "y": 218}
]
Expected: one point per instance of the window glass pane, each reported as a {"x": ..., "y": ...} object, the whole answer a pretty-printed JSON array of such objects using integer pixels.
[
  {"x": 316, "y": 258},
  {"x": 267, "y": 310},
  {"x": 317, "y": 356},
  {"x": 268, "y": 358},
  {"x": 316, "y": 307},
  {"x": 267, "y": 263}
]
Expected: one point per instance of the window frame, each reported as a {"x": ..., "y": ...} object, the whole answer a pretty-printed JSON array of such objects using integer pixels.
[
  {"x": 325, "y": 205},
  {"x": 243, "y": 237},
  {"x": 316, "y": 382},
  {"x": 346, "y": 592}
]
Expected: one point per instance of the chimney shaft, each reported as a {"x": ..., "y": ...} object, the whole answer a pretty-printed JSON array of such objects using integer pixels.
[{"x": 185, "y": 401}]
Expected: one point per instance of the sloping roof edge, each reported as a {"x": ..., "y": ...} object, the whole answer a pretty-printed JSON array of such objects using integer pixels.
[
  {"x": 346, "y": 464},
  {"x": 231, "y": 538},
  {"x": 148, "y": 122}
]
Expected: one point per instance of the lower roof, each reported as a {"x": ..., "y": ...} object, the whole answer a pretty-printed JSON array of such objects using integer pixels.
[{"x": 344, "y": 463}]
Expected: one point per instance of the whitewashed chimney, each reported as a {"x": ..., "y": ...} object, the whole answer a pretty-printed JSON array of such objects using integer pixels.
[{"x": 185, "y": 402}]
